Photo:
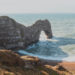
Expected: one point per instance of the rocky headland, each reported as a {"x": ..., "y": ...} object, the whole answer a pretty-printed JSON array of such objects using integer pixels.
[{"x": 15, "y": 36}]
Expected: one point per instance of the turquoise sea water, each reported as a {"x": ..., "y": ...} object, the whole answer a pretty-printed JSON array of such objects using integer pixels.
[{"x": 61, "y": 46}]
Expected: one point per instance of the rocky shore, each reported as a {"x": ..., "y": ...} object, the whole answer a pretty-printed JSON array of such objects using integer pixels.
[{"x": 13, "y": 64}]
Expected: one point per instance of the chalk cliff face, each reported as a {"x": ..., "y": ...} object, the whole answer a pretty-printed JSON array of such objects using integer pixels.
[{"x": 16, "y": 36}]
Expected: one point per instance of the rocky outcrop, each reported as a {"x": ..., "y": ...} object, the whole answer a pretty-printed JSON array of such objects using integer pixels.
[
  {"x": 13, "y": 64},
  {"x": 16, "y": 36},
  {"x": 9, "y": 58}
]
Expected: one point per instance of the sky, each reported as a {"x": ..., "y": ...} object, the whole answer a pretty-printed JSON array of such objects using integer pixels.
[{"x": 37, "y": 6}]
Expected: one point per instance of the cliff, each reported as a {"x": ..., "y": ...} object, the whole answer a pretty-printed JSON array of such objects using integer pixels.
[{"x": 15, "y": 36}]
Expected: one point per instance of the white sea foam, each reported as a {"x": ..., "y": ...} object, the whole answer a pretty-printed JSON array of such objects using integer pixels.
[
  {"x": 69, "y": 59},
  {"x": 52, "y": 49}
]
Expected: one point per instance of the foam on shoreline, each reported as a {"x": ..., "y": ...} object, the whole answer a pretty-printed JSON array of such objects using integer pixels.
[{"x": 67, "y": 59}]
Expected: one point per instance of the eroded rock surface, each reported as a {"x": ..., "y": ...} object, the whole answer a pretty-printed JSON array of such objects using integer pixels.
[{"x": 16, "y": 36}]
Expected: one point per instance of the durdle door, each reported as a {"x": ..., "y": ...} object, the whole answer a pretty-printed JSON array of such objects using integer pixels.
[{"x": 16, "y": 36}]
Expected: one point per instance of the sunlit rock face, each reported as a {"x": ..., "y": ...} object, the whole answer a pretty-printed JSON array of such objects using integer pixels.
[{"x": 16, "y": 36}]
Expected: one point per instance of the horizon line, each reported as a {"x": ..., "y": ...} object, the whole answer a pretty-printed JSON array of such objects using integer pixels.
[{"x": 42, "y": 13}]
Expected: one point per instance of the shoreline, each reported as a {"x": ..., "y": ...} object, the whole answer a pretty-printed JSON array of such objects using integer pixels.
[
  {"x": 62, "y": 66},
  {"x": 49, "y": 61},
  {"x": 69, "y": 66},
  {"x": 55, "y": 62}
]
